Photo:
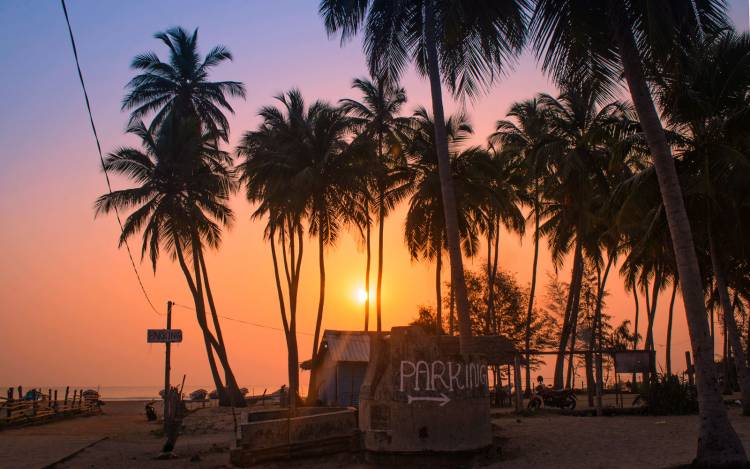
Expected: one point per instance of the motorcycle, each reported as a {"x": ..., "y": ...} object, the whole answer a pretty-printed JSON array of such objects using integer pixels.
[{"x": 560, "y": 398}]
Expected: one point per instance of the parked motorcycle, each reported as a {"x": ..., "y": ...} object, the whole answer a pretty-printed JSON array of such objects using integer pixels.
[{"x": 560, "y": 398}]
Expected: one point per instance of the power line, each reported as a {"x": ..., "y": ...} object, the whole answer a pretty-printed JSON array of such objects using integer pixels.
[
  {"x": 249, "y": 323},
  {"x": 101, "y": 158}
]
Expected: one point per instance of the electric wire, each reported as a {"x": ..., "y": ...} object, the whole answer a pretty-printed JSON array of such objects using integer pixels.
[
  {"x": 101, "y": 159},
  {"x": 109, "y": 189}
]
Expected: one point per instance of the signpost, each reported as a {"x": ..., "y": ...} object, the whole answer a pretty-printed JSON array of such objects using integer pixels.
[{"x": 165, "y": 336}]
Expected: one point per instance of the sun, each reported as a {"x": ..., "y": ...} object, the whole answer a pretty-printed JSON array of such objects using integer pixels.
[{"x": 361, "y": 295}]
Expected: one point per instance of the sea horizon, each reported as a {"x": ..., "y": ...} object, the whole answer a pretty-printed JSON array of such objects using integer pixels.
[{"x": 131, "y": 393}]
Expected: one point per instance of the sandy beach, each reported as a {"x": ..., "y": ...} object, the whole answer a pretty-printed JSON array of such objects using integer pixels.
[{"x": 121, "y": 437}]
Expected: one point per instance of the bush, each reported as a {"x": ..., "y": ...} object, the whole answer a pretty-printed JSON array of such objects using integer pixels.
[{"x": 668, "y": 395}]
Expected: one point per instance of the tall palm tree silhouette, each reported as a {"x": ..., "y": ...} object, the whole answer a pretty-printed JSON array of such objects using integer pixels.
[
  {"x": 376, "y": 118},
  {"x": 462, "y": 44},
  {"x": 615, "y": 38},
  {"x": 180, "y": 86},
  {"x": 179, "y": 204}
]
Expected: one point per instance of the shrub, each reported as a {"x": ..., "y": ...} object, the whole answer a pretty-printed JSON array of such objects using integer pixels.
[{"x": 668, "y": 395}]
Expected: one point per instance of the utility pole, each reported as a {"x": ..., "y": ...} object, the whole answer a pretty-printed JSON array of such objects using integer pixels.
[{"x": 167, "y": 363}]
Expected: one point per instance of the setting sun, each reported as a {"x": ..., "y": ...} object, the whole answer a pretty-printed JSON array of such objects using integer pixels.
[{"x": 361, "y": 295}]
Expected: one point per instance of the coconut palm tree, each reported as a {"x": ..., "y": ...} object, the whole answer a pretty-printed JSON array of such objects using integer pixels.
[
  {"x": 616, "y": 38},
  {"x": 500, "y": 193},
  {"x": 309, "y": 144},
  {"x": 179, "y": 204},
  {"x": 577, "y": 187},
  {"x": 464, "y": 45},
  {"x": 376, "y": 118},
  {"x": 180, "y": 87},
  {"x": 265, "y": 172},
  {"x": 424, "y": 230},
  {"x": 524, "y": 136},
  {"x": 705, "y": 97}
]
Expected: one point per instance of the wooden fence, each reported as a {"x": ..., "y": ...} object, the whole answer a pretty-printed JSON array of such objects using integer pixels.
[{"x": 37, "y": 407}]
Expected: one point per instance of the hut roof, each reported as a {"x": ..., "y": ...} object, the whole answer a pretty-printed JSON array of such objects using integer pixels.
[{"x": 343, "y": 346}]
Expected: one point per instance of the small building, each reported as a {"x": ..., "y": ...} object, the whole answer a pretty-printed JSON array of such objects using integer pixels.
[{"x": 340, "y": 366}]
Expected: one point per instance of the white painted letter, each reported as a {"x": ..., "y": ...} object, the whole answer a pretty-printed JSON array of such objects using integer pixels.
[
  {"x": 413, "y": 371},
  {"x": 436, "y": 375},
  {"x": 422, "y": 368},
  {"x": 454, "y": 376}
]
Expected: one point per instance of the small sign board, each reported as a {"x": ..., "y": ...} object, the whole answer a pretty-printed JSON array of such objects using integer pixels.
[
  {"x": 633, "y": 361},
  {"x": 162, "y": 336}
]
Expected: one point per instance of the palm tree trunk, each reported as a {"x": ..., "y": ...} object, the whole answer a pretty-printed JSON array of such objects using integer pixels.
[
  {"x": 668, "y": 360},
  {"x": 718, "y": 443},
  {"x": 321, "y": 297},
  {"x": 574, "y": 310},
  {"x": 595, "y": 341},
  {"x": 200, "y": 313},
  {"x": 378, "y": 291},
  {"x": 290, "y": 332},
  {"x": 652, "y": 311},
  {"x": 367, "y": 268},
  {"x": 451, "y": 311},
  {"x": 573, "y": 290},
  {"x": 446, "y": 182},
  {"x": 532, "y": 290},
  {"x": 218, "y": 348},
  {"x": 635, "y": 330},
  {"x": 491, "y": 276},
  {"x": 730, "y": 324},
  {"x": 438, "y": 295},
  {"x": 233, "y": 389}
]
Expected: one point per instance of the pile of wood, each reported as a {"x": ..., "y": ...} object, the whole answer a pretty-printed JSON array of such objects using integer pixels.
[{"x": 37, "y": 407}]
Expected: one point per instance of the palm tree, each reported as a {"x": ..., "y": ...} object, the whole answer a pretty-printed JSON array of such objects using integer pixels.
[
  {"x": 524, "y": 136},
  {"x": 180, "y": 87},
  {"x": 704, "y": 95},
  {"x": 602, "y": 35},
  {"x": 375, "y": 119},
  {"x": 577, "y": 187},
  {"x": 462, "y": 44},
  {"x": 180, "y": 204},
  {"x": 424, "y": 230},
  {"x": 309, "y": 145},
  {"x": 499, "y": 193}
]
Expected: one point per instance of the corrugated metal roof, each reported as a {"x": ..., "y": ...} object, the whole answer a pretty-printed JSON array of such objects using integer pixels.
[{"x": 347, "y": 346}]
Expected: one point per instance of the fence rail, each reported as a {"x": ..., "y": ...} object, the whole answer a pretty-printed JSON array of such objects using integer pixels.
[{"x": 37, "y": 407}]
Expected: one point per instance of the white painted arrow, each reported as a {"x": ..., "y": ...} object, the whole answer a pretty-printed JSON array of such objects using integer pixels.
[{"x": 443, "y": 399}]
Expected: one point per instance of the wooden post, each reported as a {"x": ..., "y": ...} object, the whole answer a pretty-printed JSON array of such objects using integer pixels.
[
  {"x": 167, "y": 366},
  {"x": 517, "y": 382},
  {"x": 67, "y": 391},
  {"x": 599, "y": 384},
  {"x": 10, "y": 394},
  {"x": 690, "y": 369},
  {"x": 49, "y": 397},
  {"x": 20, "y": 393},
  {"x": 55, "y": 399}
]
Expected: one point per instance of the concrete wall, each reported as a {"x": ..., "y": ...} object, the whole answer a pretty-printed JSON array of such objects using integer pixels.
[
  {"x": 265, "y": 434},
  {"x": 420, "y": 396}
]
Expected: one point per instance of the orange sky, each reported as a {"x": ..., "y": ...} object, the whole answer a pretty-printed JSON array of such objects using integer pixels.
[{"x": 72, "y": 312}]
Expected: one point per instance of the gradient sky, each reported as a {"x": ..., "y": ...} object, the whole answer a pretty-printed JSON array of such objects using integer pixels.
[{"x": 70, "y": 308}]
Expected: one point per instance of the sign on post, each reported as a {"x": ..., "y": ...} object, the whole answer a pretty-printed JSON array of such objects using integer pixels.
[
  {"x": 163, "y": 336},
  {"x": 633, "y": 361}
]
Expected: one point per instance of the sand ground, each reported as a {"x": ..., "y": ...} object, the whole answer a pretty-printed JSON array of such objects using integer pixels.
[{"x": 121, "y": 437}]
